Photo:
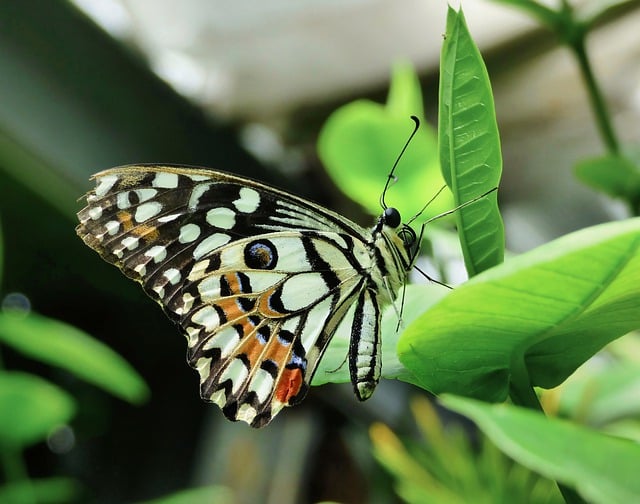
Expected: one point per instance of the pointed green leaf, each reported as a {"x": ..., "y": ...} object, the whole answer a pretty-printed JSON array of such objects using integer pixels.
[
  {"x": 469, "y": 146},
  {"x": 603, "y": 469},
  {"x": 62, "y": 345},
  {"x": 554, "y": 307},
  {"x": 30, "y": 408}
]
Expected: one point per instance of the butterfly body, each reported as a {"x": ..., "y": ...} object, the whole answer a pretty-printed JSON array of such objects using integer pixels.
[{"x": 257, "y": 279}]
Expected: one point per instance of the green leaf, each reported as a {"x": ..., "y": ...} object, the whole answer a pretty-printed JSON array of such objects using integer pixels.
[
  {"x": 30, "y": 408},
  {"x": 360, "y": 142},
  {"x": 614, "y": 175},
  {"x": 603, "y": 469},
  {"x": 42, "y": 491},
  {"x": 333, "y": 367},
  {"x": 59, "y": 344},
  {"x": 469, "y": 146},
  {"x": 552, "y": 308},
  {"x": 218, "y": 494},
  {"x": 545, "y": 15},
  {"x": 602, "y": 395}
]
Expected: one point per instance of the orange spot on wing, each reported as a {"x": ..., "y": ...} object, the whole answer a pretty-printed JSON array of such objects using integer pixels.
[
  {"x": 289, "y": 385},
  {"x": 265, "y": 309},
  {"x": 125, "y": 219},
  {"x": 233, "y": 311},
  {"x": 147, "y": 233}
]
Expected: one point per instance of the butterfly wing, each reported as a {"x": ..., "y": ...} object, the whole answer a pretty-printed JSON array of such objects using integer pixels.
[{"x": 257, "y": 279}]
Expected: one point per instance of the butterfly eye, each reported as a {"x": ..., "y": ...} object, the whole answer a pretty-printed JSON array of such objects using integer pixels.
[
  {"x": 408, "y": 236},
  {"x": 391, "y": 217},
  {"x": 260, "y": 254}
]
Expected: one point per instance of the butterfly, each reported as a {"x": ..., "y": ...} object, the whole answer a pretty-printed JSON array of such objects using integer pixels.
[{"x": 256, "y": 278}]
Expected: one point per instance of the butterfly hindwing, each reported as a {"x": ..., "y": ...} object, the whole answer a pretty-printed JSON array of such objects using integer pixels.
[{"x": 256, "y": 278}]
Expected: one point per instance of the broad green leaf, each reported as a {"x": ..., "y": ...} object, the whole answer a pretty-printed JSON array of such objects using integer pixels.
[
  {"x": 469, "y": 146},
  {"x": 552, "y": 308},
  {"x": 333, "y": 367},
  {"x": 361, "y": 141},
  {"x": 42, "y": 491},
  {"x": 217, "y": 494},
  {"x": 30, "y": 408},
  {"x": 603, "y": 469},
  {"x": 614, "y": 175},
  {"x": 1, "y": 255},
  {"x": 69, "y": 348}
]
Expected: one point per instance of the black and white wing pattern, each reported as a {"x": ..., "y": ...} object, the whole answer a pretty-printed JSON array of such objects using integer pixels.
[{"x": 256, "y": 278}]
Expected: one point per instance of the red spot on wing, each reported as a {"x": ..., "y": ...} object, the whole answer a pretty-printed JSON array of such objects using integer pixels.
[{"x": 289, "y": 385}]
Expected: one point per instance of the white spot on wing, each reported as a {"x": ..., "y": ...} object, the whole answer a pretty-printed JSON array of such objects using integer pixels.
[
  {"x": 105, "y": 184},
  {"x": 246, "y": 413},
  {"x": 196, "y": 194},
  {"x": 172, "y": 275},
  {"x": 95, "y": 213},
  {"x": 158, "y": 253},
  {"x": 261, "y": 384},
  {"x": 226, "y": 340},
  {"x": 148, "y": 210},
  {"x": 209, "y": 244},
  {"x": 208, "y": 317},
  {"x": 130, "y": 242},
  {"x": 237, "y": 372},
  {"x": 188, "y": 233},
  {"x": 248, "y": 201},
  {"x": 168, "y": 218},
  {"x": 165, "y": 180},
  {"x": 221, "y": 217}
]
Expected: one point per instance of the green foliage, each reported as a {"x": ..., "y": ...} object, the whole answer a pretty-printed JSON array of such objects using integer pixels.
[
  {"x": 59, "y": 344},
  {"x": 602, "y": 468},
  {"x": 551, "y": 309},
  {"x": 360, "y": 142},
  {"x": 30, "y": 408},
  {"x": 217, "y": 494},
  {"x": 469, "y": 146},
  {"x": 444, "y": 467},
  {"x": 532, "y": 321}
]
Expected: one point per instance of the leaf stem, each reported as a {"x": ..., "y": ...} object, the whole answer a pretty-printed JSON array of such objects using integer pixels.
[
  {"x": 602, "y": 116},
  {"x": 523, "y": 394}
]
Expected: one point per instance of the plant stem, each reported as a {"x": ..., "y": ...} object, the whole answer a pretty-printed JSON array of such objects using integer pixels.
[
  {"x": 522, "y": 394},
  {"x": 602, "y": 116}
]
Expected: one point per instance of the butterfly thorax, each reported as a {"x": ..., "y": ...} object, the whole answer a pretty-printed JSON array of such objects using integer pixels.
[{"x": 392, "y": 254}]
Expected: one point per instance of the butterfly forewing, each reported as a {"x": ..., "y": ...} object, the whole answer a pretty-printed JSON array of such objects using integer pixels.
[{"x": 257, "y": 279}]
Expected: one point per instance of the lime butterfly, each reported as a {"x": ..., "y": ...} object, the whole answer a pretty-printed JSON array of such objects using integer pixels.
[{"x": 257, "y": 279}]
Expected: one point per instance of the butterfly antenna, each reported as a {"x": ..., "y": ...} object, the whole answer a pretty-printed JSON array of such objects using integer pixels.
[
  {"x": 391, "y": 175},
  {"x": 433, "y": 198}
]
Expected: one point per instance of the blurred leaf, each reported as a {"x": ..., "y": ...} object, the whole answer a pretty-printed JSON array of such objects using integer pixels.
[
  {"x": 553, "y": 307},
  {"x": 405, "y": 94},
  {"x": 602, "y": 469},
  {"x": 446, "y": 466},
  {"x": 360, "y": 142},
  {"x": 30, "y": 408},
  {"x": 544, "y": 14},
  {"x": 333, "y": 367},
  {"x": 217, "y": 494},
  {"x": 41, "y": 491},
  {"x": 67, "y": 347},
  {"x": 1, "y": 255},
  {"x": 613, "y": 175},
  {"x": 603, "y": 395},
  {"x": 469, "y": 145}
]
